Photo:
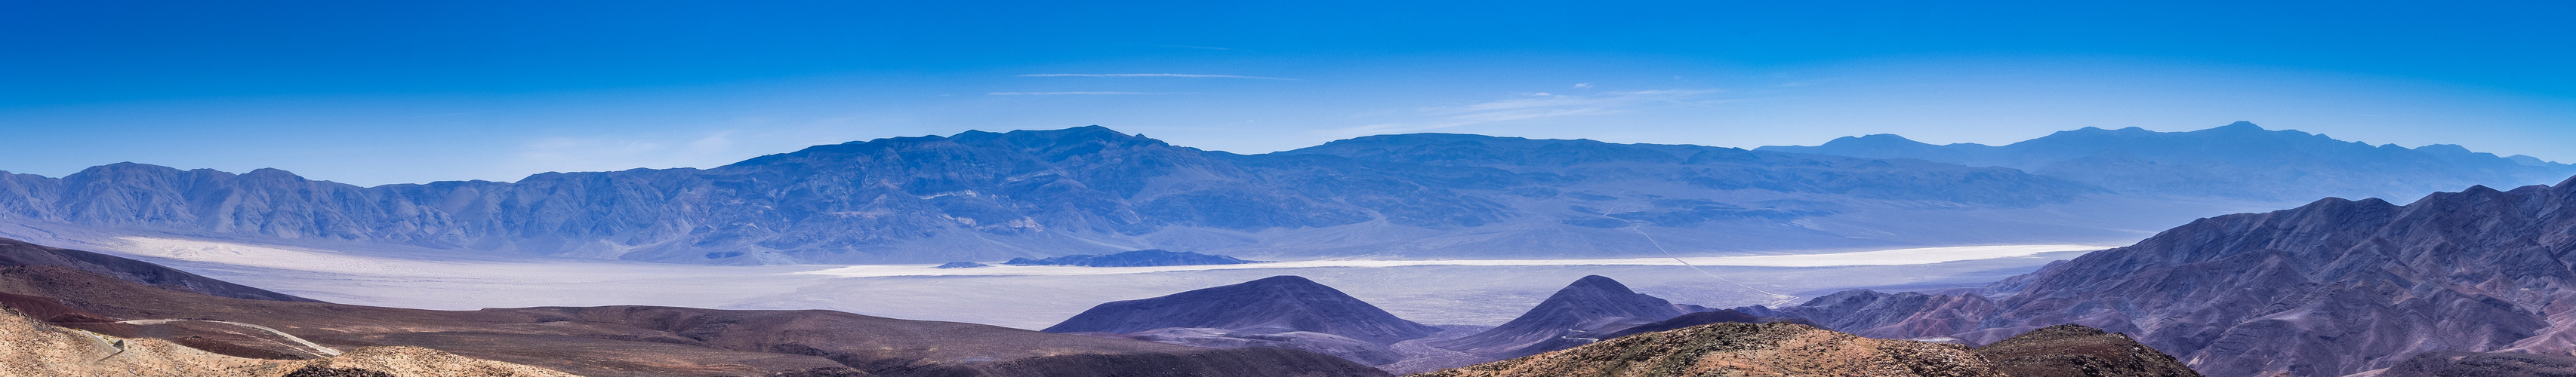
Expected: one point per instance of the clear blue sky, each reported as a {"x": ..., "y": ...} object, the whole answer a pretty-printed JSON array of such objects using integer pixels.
[{"x": 374, "y": 92}]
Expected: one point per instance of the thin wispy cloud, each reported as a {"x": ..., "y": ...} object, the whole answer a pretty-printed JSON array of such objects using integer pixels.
[
  {"x": 1152, "y": 75},
  {"x": 1066, "y": 93},
  {"x": 1536, "y": 106},
  {"x": 621, "y": 153}
]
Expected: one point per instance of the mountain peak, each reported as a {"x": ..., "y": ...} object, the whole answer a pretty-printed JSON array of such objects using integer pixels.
[
  {"x": 272, "y": 173},
  {"x": 128, "y": 166},
  {"x": 1586, "y": 305},
  {"x": 1597, "y": 283},
  {"x": 1074, "y": 135},
  {"x": 1875, "y": 140},
  {"x": 1083, "y": 132},
  {"x": 1285, "y": 280},
  {"x": 2247, "y": 130},
  {"x": 2444, "y": 149}
]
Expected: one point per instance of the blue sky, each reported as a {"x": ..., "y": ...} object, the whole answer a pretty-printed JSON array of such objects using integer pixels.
[{"x": 385, "y": 92}]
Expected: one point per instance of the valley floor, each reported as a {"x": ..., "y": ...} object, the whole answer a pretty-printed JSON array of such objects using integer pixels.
[{"x": 1464, "y": 292}]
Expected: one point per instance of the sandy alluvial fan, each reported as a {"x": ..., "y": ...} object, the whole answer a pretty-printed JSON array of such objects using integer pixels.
[{"x": 32, "y": 348}]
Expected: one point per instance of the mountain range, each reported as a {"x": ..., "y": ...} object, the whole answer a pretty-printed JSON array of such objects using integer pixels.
[
  {"x": 2239, "y": 160},
  {"x": 985, "y": 196}
]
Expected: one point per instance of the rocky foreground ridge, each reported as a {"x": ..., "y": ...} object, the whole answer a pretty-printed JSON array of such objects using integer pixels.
[
  {"x": 1788, "y": 349},
  {"x": 2332, "y": 288},
  {"x": 33, "y": 348}
]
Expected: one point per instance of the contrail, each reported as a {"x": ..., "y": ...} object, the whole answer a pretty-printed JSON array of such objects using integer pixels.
[{"x": 1634, "y": 226}]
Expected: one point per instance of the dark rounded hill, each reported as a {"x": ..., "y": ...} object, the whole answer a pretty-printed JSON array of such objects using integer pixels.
[
  {"x": 1269, "y": 305},
  {"x": 1589, "y": 304}
]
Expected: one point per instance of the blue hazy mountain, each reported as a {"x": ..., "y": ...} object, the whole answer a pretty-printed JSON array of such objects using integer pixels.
[
  {"x": 2238, "y": 160},
  {"x": 1090, "y": 190}
]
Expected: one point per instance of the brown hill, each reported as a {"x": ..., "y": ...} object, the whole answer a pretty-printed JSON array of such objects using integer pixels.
[
  {"x": 652, "y": 341},
  {"x": 21, "y": 253},
  {"x": 1590, "y": 306},
  {"x": 1276, "y": 304}
]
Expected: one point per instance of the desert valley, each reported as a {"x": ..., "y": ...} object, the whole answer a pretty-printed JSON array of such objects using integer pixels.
[{"x": 1515, "y": 188}]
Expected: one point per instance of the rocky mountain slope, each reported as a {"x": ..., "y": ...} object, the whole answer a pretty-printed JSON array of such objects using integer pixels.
[
  {"x": 631, "y": 340},
  {"x": 1591, "y": 306},
  {"x": 2239, "y": 160},
  {"x": 2331, "y": 288},
  {"x": 2480, "y": 364},
  {"x": 1788, "y": 349},
  {"x": 983, "y": 196}
]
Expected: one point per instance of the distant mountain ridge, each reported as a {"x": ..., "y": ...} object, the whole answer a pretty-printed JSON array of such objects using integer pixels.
[
  {"x": 994, "y": 196},
  {"x": 1091, "y": 190},
  {"x": 2239, "y": 160}
]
